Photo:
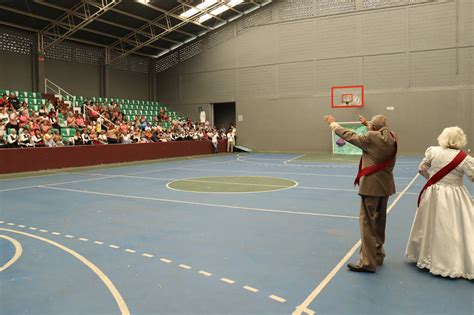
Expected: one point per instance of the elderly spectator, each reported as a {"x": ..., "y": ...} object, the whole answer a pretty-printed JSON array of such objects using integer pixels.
[
  {"x": 43, "y": 111},
  {"x": 14, "y": 101},
  {"x": 24, "y": 139},
  {"x": 77, "y": 138},
  {"x": 4, "y": 101},
  {"x": 13, "y": 123},
  {"x": 71, "y": 120},
  {"x": 102, "y": 138},
  {"x": 3, "y": 129},
  {"x": 48, "y": 139},
  {"x": 58, "y": 139},
  {"x": 37, "y": 139},
  {"x": 112, "y": 134},
  {"x": 12, "y": 139},
  {"x": 4, "y": 117},
  {"x": 3, "y": 143},
  {"x": 79, "y": 120},
  {"x": 24, "y": 118},
  {"x": 86, "y": 139},
  {"x": 214, "y": 141},
  {"x": 230, "y": 142},
  {"x": 94, "y": 138}
]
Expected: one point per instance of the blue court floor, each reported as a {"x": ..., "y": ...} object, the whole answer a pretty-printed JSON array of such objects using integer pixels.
[{"x": 117, "y": 240}]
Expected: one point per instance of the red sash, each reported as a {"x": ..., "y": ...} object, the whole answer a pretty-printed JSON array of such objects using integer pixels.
[
  {"x": 377, "y": 167},
  {"x": 443, "y": 172}
]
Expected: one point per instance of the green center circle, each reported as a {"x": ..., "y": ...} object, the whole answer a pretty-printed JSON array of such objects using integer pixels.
[{"x": 232, "y": 184}]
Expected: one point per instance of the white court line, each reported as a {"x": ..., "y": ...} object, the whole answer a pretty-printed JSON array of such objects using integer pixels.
[
  {"x": 204, "y": 204},
  {"x": 205, "y": 273},
  {"x": 185, "y": 266},
  {"x": 303, "y": 308},
  {"x": 269, "y": 172},
  {"x": 167, "y": 261},
  {"x": 296, "y": 157},
  {"x": 295, "y": 186},
  {"x": 130, "y": 251},
  {"x": 251, "y": 289},
  {"x": 147, "y": 255},
  {"x": 105, "y": 280},
  {"x": 229, "y": 281},
  {"x": 17, "y": 188},
  {"x": 24, "y": 177},
  {"x": 277, "y": 298},
  {"x": 104, "y": 176},
  {"x": 278, "y": 187}
]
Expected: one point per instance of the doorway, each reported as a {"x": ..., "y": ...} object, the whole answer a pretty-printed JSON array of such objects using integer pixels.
[{"x": 224, "y": 114}]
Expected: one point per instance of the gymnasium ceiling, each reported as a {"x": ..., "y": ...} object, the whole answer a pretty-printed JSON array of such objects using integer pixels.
[{"x": 148, "y": 28}]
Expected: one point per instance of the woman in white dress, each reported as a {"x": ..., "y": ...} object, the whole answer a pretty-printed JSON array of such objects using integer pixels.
[{"x": 442, "y": 236}]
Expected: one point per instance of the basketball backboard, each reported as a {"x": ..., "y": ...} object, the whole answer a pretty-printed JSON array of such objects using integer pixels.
[{"x": 347, "y": 96}]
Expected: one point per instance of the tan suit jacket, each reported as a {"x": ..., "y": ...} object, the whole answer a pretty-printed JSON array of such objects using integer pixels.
[{"x": 377, "y": 146}]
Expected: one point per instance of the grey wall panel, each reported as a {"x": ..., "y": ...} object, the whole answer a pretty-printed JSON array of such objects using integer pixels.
[
  {"x": 127, "y": 84},
  {"x": 222, "y": 56},
  {"x": 386, "y": 71},
  {"x": 433, "y": 68},
  {"x": 404, "y": 56},
  {"x": 15, "y": 71},
  {"x": 210, "y": 87},
  {"x": 338, "y": 37},
  {"x": 167, "y": 89},
  {"x": 256, "y": 82},
  {"x": 338, "y": 72},
  {"x": 296, "y": 41},
  {"x": 296, "y": 78},
  {"x": 433, "y": 26},
  {"x": 466, "y": 65},
  {"x": 77, "y": 79},
  {"x": 256, "y": 46},
  {"x": 193, "y": 87},
  {"x": 466, "y": 22},
  {"x": 384, "y": 32}
]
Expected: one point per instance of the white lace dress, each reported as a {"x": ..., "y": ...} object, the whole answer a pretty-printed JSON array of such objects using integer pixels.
[{"x": 442, "y": 235}]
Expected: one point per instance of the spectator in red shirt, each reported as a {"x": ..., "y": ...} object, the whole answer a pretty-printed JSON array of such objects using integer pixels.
[{"x": 4, "y": 101}]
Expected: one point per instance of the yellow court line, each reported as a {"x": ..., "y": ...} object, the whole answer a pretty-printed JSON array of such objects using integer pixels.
[
  {"x": 18, "y": 252},
  {"x": 108, "y": 283},
  {"x": 303, "y": 308}
]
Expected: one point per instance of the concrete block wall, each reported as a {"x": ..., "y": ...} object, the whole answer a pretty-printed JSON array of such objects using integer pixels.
[{"x": 418, "y": 59}]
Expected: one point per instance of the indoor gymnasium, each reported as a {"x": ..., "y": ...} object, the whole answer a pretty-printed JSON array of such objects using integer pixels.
[{"x": 236, "y": 157}]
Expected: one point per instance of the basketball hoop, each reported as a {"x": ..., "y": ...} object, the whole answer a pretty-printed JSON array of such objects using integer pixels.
[{"x": 347, "y": 96}]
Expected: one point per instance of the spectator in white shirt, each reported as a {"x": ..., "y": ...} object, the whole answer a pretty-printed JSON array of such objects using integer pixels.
[
  {"x": 24, "y": 138},
  {"x": 12, "y": 139},
  {"x": 230, "y": 142},
  {"x": 215, "y": 141}
]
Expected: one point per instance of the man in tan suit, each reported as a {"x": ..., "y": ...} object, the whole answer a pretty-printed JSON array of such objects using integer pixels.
[{"x": 376, "y": 184}]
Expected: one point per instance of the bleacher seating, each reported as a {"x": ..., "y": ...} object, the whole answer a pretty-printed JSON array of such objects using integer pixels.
[{"x": 129, "y": 107}]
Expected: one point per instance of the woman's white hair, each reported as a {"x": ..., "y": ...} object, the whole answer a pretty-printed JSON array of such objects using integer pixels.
[{"x": 452, "y": 138}]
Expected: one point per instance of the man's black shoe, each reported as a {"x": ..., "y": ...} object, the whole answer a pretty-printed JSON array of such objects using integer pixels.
[{"x": 354, "y": 267}]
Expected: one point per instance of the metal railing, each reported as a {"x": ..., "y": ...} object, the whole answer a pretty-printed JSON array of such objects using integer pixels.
[
  {"x": 100, "y": 115},
  {"x": 50, "y": 86}
]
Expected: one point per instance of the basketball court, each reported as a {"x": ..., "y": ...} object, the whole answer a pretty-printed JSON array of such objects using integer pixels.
[{"x": 228, "y": 234}]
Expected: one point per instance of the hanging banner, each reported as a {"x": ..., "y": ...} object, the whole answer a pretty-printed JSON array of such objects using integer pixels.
[{"x": 341, "y": 146}]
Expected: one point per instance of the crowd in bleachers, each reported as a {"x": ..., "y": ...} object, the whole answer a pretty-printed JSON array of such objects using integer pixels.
[{"x": 28, "y": 120}]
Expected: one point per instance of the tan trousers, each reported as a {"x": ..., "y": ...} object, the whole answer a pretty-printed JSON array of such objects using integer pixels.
[
  {"x": 372, "y": 217},
  {"x": 230, "y": 146}
]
